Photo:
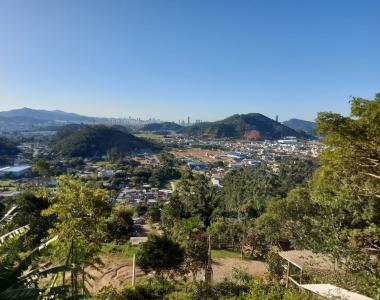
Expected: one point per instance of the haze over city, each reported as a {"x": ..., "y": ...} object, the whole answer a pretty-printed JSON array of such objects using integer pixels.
[{"x": 173, "y": 59}]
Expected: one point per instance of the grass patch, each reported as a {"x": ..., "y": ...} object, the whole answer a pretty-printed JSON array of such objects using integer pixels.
[
  {"x": 224, "y": 253},
  {"x": 104, "y": 164},
  {"x": 123, "y": 250},
  {"x": 8, "y": 185},
  {"x": 7, "y": 182}
]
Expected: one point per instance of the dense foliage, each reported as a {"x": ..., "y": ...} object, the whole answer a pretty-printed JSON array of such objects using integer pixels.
[
  {"x": 164, "y": 126},
  {"x": 160, "y": 254},
  {"x": 339, "y": 214},
  {"x": 8, "y": 151},
  {"x": 246, "y": 191}
]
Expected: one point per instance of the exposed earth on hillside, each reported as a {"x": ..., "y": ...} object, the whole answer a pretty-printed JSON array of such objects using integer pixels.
[{"x": 117, "y": 271}]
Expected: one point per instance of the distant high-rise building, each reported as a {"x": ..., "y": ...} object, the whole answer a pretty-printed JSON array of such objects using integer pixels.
[
  {"x": 188, "y": 120},
  {"x": 276, "y": 118}
]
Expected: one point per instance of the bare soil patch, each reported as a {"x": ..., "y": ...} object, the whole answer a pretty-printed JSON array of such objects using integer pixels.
[{"x": 117, "y": 271}]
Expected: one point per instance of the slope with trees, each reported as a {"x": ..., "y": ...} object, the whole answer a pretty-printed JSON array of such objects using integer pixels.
[
  {"x": 8, "y": 151},
  {"x": 97, "y": 140},
  {"x": 161, "y": 127},
  {"x": 338, "y": 215},
  {"x": 250, "y": 126},
  {"x": 301, "y": 125}
]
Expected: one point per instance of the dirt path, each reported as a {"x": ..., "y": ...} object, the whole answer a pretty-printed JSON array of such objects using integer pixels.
[
  {"x": 224, "y": 267},
  {"x": 117, "y": 271}
]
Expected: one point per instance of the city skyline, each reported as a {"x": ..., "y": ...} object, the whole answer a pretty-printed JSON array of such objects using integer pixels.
[{"x": 169, "y": 60}]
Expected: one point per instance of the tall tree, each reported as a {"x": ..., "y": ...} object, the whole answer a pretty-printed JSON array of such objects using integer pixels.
[
  {"x": 81, "y": 211},
  {"x": 195, "y": 196},
  {"x": 347, "y": 184}
]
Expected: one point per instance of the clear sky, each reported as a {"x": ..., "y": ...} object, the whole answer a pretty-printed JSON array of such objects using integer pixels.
[{"x": 172, "y": 58}]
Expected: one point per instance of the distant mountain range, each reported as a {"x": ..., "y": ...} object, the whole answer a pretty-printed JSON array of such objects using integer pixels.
[
  {"x": 301, "y": 125},
  {"x": 28, "y": 115},
  {"x": 249, "y": 126}
]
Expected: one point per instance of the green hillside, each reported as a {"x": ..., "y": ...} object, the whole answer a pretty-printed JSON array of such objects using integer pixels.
[
  {"x": 91, "y": 140},
  {"x": 249, "y": 126},
  {"x": 165, "y": 126},
  {"x": 301, "y": 125}
]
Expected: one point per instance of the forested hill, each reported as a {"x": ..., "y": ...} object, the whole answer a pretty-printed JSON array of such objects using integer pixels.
[
  {"x": 8, "y": 151},
  {"x": 301, "y": 125},
  {"x": 91, "y": 140},
  {"x": 165, "y": 126},
  {"x": 249, "y": 126}
]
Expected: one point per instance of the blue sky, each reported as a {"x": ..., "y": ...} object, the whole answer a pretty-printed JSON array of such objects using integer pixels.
[{"x": 172, "y": 58}]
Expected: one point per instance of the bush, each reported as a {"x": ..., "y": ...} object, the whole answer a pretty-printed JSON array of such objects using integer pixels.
[
  {"x": 160, "y": 254},
  {"x": 152, "y": 289},
  {"x": 262, "y": 290},
  {"x": 275, "y": 265},
  {"x": 223, "y": 290},
  {"x": 120, "y": 223}
]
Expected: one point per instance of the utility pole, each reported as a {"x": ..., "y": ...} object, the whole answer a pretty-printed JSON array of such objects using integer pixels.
[
  {"x": 208, "y": 271},
  {"x": 133, "y": 269}
]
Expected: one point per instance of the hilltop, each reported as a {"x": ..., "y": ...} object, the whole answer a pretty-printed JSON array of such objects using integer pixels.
[
  {"x": 165, "y": 126},
  {"x": 91, "y": 140},
  {"x": 249, "y": 126},
  {"x": 301, "y": 125}
]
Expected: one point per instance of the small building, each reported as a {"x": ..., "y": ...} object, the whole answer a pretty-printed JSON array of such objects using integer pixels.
[
  {"x": 235, "y": 165},
  {"x": 289, "y": 140},
  {"x": 151, "y": 202}
]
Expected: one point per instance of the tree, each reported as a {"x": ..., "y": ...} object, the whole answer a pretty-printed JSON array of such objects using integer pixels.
[
  {"x": 246, "y": 191},
  {"x": 295, "y": 171},
  {"x": 29, "y": 209},
  {"x": 8, "y": 151},
  {"x": 191, "y": 235},
  {"x": 168, "y": 169},
  {"x": 198, "y": 196},
  {"x": 194, "y": 197},
  {"x": 19, "y": 267},
  {"x": 81, "y": 212},
  {"x": 114, "y": 154},
  {"x": 288, "y": 219},
  {"x": 340, "y": 214},
  {"x": 42, "y": 168},
  {"x": 153, "y": 213},
  {"x": 160, "y": 254},
  {"x": 120, "y": 223},
  {"x": 346, "y": 187},
  {"x": 348, "y": 181}
]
